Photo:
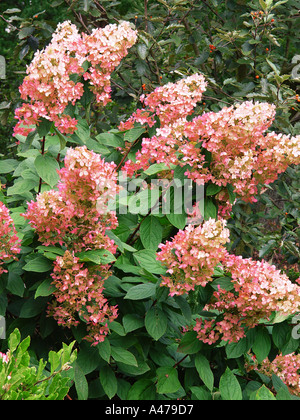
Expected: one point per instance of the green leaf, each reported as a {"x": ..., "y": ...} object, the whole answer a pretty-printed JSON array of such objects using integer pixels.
[
  {"x": 33, "y": 307},
  {"x": 47, "y": 168},
  {"x": 224, "y": 282},
  {"x": 204, "y": 370},
  {"x": 264, "y": 394},
  {"x": 105, "y": 350},
  {"x": 83, "y": 130},
  {"x": 156, "y": 322},
  {"x": 210, "y": 210},
  {"x": 44, "y": 127},
  {"x": 124, "y": 356},
  {"x": 142, "y": 50},
  {"x": 146, "y": 258},
  {"x": 184, "y": 307},
  {"x": 134, "y": 134},
  {"x": 158, "y": 167},
  {"x": 200, "y": 393},
  {"x": 21, "y": 187},
  {"x": 7, "y": 166},
  {"x": 177, "y": 220},
  {"x": 189, "y": 343},
  {"x": 235, "y": 350},
  {"x": 39, "y": 264},
  {"x": 167, "y": 380},
  {"x": 14, "y": 340},
  {"x": 282, "y": 391},
  {"x": 281, "y": 334},
  {"x": 15, "y": 284},
  {"x": 142, "y": 390},
  {"x": 54, "y": 360},
  {"x": 151, "y": 232},
  {"x": 262, "y": 344},
  {"x": 141, "y": 291},
  {"x": 263, "y": 5},
  {"x": 45, "y": 289},
  {"x": 81, "y": 384},
  {"x": 108, "y": 381},
  {"x": 132, "y": 322},
  {"x": 213, "y": 189},
  {"x": 25, "y": 32},
  {"x": 229, "y": 387},
  {"x": 97, "y": 256},
  {"x": 267, "y": 248},
  {"x": 110, "y": 139}
]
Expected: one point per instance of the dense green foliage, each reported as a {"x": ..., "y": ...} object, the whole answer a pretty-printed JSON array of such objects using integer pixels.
[{"x": 147, "y": 354}]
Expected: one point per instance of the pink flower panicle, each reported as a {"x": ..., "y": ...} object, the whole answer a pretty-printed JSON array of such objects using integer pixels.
[
  {"x": 192, "y": 255},
  {"x": 287, "y": 368},
  {"x": 172, "y": 104},
  {"x": 259, "y": 290},
  {"x": 10, "y": 244},
  {"x": 79, "y": 293},
  {"x": 77, "y": 217},
  {"x": 242, "y": 153},
  {"x": 175, "y": 100},
  {"x": 49, "y": 84}
]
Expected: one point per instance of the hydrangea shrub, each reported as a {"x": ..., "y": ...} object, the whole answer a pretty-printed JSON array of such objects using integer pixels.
[{"x": 158, "y": 307}]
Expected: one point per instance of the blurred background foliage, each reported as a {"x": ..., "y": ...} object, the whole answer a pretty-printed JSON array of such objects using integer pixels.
[{"x": 247, "y": 50}]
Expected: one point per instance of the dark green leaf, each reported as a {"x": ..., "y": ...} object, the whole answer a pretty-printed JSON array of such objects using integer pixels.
[
  {"x": 204, "y": 370},
  {"x": 156, "y": 322},
  {"x": 189, "y": 343},
  {"x": 108, "y": 381},
  {"x": 262, "y": 344},
  {"x": 81, "y": 383}
]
